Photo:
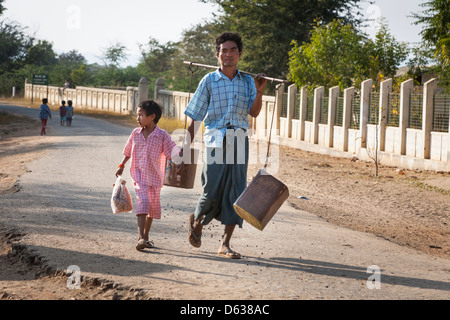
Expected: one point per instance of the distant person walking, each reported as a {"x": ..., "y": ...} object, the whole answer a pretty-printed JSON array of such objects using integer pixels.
[
  {"x": 62, "y": 112},
  {"x": 44, "y": 114},
  {"x": 69, "y": 113}
]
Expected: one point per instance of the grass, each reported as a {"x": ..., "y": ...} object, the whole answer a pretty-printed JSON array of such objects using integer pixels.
[
  {"x": 425, "y": 186},
  {"x": 6, "y": 118}
]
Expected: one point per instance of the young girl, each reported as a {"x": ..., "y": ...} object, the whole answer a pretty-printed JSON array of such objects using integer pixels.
[
  {"x": 148, "y": 147},
  {"x": 44, "y": 114}
]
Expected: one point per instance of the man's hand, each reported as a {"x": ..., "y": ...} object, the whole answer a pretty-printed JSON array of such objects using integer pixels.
[{"x": 260, "y": 83}]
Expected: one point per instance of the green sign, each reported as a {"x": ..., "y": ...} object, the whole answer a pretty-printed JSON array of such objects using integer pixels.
[{"x": 40, "y": 79}]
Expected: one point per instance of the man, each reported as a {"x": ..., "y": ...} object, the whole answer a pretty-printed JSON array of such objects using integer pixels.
[{"x": 223, "y": 99}]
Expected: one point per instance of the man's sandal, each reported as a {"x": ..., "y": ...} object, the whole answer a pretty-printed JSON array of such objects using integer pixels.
[
  {"x": 194, "y": 240},
  {"x": 230, "y": 254}
]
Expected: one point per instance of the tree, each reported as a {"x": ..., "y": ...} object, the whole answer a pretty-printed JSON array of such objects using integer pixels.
[
  {"x": 113, "y": 56},
  {"x": 14, "y": 44},
  {"x": 2, "y": 8},
  {"x": 41, "y": 54},
  {"x": 269, "y": 26},
  {"x": 340, "y": 55},
  {"x": 436, "y": 34},
  {"x": 197, "y": 45},
  {"x": 156, "y": 56},
  {"x": 333, "y": 57},
  {"x": 386, "y": 54}
]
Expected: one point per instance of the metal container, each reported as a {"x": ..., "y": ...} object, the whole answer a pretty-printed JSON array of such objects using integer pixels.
[
  {"x": 181, "y": 176},
  {"x": 261, "y": 199}
]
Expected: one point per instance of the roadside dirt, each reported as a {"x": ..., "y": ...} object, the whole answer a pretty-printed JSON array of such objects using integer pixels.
[{"x": 408, "y": 207}]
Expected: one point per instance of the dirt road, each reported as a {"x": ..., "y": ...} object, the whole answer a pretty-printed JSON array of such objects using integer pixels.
[{"x": 58, "y": 215}]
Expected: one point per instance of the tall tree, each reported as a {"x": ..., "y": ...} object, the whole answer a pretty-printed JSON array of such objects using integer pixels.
[
  {"x": 41, "y": 54},
  {"x": 196, "y": 45},
  {"x": 334, "y": 56},
  {"x": 338, "y": 54},
  {"x": 269, "y": 26},
  {"x": 436, "y": 34},
  {"x": 112, "y": 57},
  {"x": 14, "y": 44},
  {"x": 2, "y": 8}
]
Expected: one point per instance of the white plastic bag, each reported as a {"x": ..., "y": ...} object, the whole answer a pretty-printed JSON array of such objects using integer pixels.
[{"x": 121, "y": 198}]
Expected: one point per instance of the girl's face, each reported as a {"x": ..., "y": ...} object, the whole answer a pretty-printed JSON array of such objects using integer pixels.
[{"x": 144, "y": 120}]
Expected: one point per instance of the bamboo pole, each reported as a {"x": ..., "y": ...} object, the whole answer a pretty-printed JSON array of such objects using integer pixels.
[{"x": 244, "y": 72}]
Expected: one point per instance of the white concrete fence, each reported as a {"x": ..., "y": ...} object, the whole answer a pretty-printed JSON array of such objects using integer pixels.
[
  {"x": 113, "y": 100},
  {"x": 406, "y": 129}
]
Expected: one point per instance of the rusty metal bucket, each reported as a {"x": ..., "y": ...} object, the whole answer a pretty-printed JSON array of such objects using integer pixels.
[
  {"x": 184, "y": 178},
  {"x": 261, "y": 199}
]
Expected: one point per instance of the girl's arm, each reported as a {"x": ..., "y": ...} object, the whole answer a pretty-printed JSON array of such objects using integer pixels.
[{"x": 122, "y": 166}]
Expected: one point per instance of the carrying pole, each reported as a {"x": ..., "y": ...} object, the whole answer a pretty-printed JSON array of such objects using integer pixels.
[{"x": 244, "y": 72}]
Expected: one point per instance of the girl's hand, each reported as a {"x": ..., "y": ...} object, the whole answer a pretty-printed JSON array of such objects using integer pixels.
[{"x": 119, "y": 171}]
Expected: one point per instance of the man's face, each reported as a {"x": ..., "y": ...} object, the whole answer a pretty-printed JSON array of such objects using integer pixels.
[{"x": 229, "y": 54}]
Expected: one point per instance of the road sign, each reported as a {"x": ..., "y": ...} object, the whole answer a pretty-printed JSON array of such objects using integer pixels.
[{"x": 40, "y": 79}]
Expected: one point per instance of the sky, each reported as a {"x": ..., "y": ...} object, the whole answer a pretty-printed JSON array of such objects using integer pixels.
[{"x": 91, "y": 26}]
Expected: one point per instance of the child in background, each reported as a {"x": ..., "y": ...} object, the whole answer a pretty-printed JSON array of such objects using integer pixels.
[
  {"x": 62, "y": 112},
  {"x": 44, "y": 114},
  {"x": 69, "y": 113},
  {"x": 148, "y": 147}
]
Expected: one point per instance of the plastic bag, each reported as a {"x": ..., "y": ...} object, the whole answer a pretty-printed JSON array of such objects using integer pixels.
[{"x": 121, "y": 198}]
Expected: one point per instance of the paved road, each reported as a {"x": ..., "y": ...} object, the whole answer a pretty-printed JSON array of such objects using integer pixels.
[{"x": 64, "y": 208}]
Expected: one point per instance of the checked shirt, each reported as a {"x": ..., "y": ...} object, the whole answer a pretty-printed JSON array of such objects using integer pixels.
[
  {"x": 222, "y": 102},
  {"x": 148, "y": 157}
]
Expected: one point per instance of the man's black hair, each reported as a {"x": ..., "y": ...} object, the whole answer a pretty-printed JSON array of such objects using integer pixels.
[
  {"x": 151, "y": 107},
  {"x": 229, "y": 36}
]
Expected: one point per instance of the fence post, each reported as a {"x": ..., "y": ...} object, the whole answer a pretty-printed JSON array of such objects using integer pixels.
[
  {"x": 292, "y": 91},
  {"x": 405, "y": 92},
  {"x": 143, "y": 90},
  {"x": 429, "y": 89},
  {"x": 348, "y": 95},
  {"x": 385, "y": 90},
  {"x": 334, "y": 93},
  {"x": 366, "y": 87},
  {"x": 318, "y": 93},
  {"x": 303, "y": 102},
  {"x": 278, "y": 107}
]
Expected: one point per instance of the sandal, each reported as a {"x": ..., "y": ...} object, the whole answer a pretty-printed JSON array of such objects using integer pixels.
[
  {"x": 149, "y": 244},
  {"x": 194, "y": 240},
  {"x": 230, "y": 254},
  {"x": 141, "y": 244}
]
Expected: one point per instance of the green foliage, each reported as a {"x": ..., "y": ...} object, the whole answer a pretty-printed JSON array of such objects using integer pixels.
[
  {"x": 334, "y": 57},
  {"x": 436, "y": 35},
  {"x": 339, "y": 55},
  {"x": 269, "y": 26},
  {"x": 278, "y": 40}
]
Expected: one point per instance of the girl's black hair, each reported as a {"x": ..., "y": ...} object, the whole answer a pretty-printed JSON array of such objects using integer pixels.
[{"x": 151, "y": 107}]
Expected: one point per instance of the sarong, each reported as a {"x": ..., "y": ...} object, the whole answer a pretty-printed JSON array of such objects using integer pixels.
[{"x": 224, "y": 178}]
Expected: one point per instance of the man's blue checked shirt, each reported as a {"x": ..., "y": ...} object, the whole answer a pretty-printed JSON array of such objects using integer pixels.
[{"x": 222, "y": 103}]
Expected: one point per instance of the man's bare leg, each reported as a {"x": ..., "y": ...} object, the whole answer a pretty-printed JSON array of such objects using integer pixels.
[{"x": 225, "y": 249}]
